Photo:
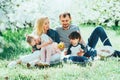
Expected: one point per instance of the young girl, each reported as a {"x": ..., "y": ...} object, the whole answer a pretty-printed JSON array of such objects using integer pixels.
[
  {"x": 47, "y": 45},
  {"x": 54, "y": 50},
  {"x": 33, "y": 41}
]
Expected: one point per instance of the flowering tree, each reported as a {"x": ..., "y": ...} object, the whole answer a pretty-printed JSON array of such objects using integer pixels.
[
  {"x": 18, "y": 13},
  {"x": 97, "y": 11},
  {"x": 109, "y": 12},
  {"x": 22, "y": 13}
]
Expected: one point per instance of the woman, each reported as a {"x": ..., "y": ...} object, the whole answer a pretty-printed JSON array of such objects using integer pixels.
[
  {"x": 26, "y": 59},
  {"x": 50, "y": 32}
]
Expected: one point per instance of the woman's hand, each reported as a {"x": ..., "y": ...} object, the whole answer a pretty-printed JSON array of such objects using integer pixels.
[{"x": 38, "y": 46}]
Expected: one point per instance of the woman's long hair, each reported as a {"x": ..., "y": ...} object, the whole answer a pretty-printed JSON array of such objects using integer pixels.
[{"x": 39, "y": 25}]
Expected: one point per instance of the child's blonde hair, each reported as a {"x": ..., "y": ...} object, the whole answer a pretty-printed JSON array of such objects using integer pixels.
[
  {"x": 39, "y": 25},
  {"x": 29, "y": 39}
]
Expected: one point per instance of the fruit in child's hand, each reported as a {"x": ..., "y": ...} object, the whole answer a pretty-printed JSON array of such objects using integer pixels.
[{"x": 61, "y": 45}]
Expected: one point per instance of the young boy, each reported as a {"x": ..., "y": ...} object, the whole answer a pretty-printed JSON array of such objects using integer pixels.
[{"x": 76, "y": 50}]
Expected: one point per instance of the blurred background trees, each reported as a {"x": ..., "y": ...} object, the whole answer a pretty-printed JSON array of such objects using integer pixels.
[{"x": 21, "y": 14}]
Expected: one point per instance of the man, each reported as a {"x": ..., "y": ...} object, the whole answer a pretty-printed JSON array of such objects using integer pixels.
[{"x": 67, "y": 28}]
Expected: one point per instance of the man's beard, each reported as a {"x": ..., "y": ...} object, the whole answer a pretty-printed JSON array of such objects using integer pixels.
[{"x": 65, "y": 26}]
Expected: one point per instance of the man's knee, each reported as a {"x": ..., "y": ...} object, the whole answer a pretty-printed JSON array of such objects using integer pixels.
[{"x": 99, "y": 29}]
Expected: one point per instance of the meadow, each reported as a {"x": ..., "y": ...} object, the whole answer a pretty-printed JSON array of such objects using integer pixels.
[{"x": 108, "y": 69}]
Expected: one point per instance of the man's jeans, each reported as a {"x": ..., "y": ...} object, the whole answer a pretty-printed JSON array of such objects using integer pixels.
[
  {"x": 93, "y": 39},
  {"x": 96, "y": 34}
]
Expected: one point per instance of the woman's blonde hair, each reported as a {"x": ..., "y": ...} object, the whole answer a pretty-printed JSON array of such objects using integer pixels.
[{"x": 39, "y": 25}]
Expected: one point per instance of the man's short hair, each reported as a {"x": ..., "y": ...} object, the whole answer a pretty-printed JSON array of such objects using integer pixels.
[{"x": 65, "y": 14}]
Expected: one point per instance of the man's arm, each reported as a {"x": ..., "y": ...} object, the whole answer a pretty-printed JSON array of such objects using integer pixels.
[{"x": 82, "y": 40}]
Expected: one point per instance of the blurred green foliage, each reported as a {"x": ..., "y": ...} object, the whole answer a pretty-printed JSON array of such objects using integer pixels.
[{"x": 13, "y": 43}]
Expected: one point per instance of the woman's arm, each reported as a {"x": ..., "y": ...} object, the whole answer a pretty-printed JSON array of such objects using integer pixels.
[{"x": 44, "y": 44}]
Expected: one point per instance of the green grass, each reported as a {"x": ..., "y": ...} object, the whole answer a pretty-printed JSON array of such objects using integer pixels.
[{"x": 100, "y": 70}]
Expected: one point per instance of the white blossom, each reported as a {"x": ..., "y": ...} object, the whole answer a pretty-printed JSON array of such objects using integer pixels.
[{"x": 26, "y": 11}]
